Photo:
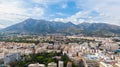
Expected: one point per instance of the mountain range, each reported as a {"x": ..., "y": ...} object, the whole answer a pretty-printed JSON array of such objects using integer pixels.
[{"x": 49, "y": 27}]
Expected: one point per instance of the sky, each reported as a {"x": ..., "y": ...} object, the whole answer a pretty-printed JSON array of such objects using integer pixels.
[{"x": 76, "y": 11}]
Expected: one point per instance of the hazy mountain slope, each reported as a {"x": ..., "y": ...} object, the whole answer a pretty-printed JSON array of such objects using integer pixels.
[
  {"x": 43, "y": 26},
  {"x": 39, "y": 26}
]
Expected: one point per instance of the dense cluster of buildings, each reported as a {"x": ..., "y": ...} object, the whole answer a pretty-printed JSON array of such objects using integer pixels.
[
  {"x": 102, "y": 52},
  {"x": 11, "y": 51}
]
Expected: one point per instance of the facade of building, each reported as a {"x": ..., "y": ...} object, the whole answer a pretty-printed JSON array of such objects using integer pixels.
[
  {"x": 69, "y": 64},
  {"x": 60, "y": 64},
  {"x": 52, "y": 64},
  {"x": 36, "y": 65},
  {"x": 102, "y": 64},
  {"x": 12, "y": 58},
  {"x": 117, "y": 65}
]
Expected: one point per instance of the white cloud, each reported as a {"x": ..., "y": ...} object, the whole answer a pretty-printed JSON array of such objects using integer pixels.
[
  {"x": 109, "y": 9},
  {"x": 36, "y": 12},
  {"x": 13, "y": 11},
  {"x": 61, "y": 14},
  {"x": 9, "y": 10},
  {"x": 47, "y": 2},
  {"x": 2, "y": 26},
  {"x": 76, "y": 18},
  {"x": 108, "y": 12},
  {"x": 64, "y": 6}
]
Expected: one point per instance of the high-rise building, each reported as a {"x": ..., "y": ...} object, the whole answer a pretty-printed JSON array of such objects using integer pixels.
[{"x": 60, "y": 64}]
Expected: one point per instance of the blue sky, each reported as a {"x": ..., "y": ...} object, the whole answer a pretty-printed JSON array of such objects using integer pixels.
[{"x": 76, "y": 11}]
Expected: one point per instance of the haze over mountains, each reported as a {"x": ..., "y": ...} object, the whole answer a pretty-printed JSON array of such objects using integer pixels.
[{"x": 46, "y": 27}]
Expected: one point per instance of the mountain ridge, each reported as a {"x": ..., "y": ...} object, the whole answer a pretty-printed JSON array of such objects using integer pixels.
[{"x": 43, "y": 26}]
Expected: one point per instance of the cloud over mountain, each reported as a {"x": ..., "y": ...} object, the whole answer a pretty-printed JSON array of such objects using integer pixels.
[{"x": 76, "y": 11}]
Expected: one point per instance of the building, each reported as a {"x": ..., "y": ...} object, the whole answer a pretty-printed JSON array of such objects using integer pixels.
[
  {"x": 60, "y": 64},
  {"x": 36, "y": 65},
  {"x": 12, "y": 58},
  {"x": 69, "y": 64},
  {"x": 1, "y": 55},
  {"x": 117, "y": 65},
  {"x": 52, "y": 64},
  {"x": 102, "y": 64}
]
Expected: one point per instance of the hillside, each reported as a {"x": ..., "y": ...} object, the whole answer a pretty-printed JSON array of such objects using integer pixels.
[{"x": 43, "y": 26}]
